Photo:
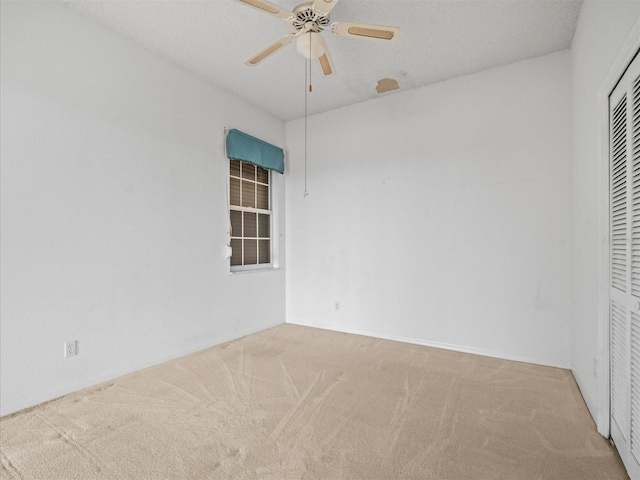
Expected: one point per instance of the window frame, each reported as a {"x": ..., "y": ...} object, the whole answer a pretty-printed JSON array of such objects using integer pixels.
[{"x": 254, "y": 267}]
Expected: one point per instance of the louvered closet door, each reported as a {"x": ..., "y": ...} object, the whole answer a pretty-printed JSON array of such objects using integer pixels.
[{"x": 624, "y": 136}]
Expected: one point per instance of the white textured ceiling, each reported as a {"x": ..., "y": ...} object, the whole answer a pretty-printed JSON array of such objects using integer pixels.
[{"x": 441, "y": 40}]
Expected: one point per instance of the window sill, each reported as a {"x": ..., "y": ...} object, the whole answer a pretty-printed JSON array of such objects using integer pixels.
[{"x": 253, "y": 270}]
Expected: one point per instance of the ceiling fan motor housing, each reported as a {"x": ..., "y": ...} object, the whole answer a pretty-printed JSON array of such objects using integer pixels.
[{"x": 305, "y": 14}]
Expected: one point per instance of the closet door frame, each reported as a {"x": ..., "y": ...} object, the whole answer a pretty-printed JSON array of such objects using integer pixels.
[{"x": 603, "y": 365}]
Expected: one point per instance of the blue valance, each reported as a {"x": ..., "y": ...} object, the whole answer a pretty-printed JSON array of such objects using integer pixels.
[{"x": 241, "y": 146}]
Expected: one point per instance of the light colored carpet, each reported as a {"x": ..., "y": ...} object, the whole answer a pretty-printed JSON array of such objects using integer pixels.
[{"x": 301, "y": 403}]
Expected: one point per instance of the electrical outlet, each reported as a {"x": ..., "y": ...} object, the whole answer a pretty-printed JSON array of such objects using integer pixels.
[
  {"x": 595, "y": 368},
  {"x": 336, "y": 305},
  {"x": 70, "y": 348}
]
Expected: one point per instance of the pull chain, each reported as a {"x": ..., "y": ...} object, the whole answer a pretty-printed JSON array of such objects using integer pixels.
[
  {"x": 305, "y": 129},
  {"x": 307, "y": 90},
  {"x": 310, "y": 62}
]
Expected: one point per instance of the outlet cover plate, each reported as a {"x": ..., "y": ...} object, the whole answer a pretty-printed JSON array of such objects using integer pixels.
[{"x": 70, "y": 348}]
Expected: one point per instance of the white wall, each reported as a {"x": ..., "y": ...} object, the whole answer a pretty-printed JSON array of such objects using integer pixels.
[
  {"x": 113, "y": 208},
  {"x": 601, "y": 32},
  {"x": 440, "y": 216}
]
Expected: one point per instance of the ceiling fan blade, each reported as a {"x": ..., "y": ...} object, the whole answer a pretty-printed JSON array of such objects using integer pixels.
[
  {"x": 270, "y": 50},
  {"x": 366, "y": 30},
  {"x": 269, "y": 8},
  {"x": 324, "y": 6},
  {"x": 327, "y": 64}
]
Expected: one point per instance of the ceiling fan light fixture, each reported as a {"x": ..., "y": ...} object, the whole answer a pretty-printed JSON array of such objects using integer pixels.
[{"x": 311, "y": 45}]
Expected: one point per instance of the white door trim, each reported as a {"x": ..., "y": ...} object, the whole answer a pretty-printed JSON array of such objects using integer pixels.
[{"x": 624, "y": 58}]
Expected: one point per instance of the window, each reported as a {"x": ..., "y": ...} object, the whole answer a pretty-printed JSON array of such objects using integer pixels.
[{"x": 250, "y": 213}]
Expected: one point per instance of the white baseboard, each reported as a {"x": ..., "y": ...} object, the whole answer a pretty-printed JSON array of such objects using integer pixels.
[
  {"x": 75, "y": 387},
  {"x": 441, "y": 345}
]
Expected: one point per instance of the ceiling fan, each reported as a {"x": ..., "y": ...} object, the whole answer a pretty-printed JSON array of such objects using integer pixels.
[{"x": 309, "y": 19}]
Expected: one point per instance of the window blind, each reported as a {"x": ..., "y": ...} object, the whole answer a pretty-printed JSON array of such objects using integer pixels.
[{"x": 241, "y": 146}]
